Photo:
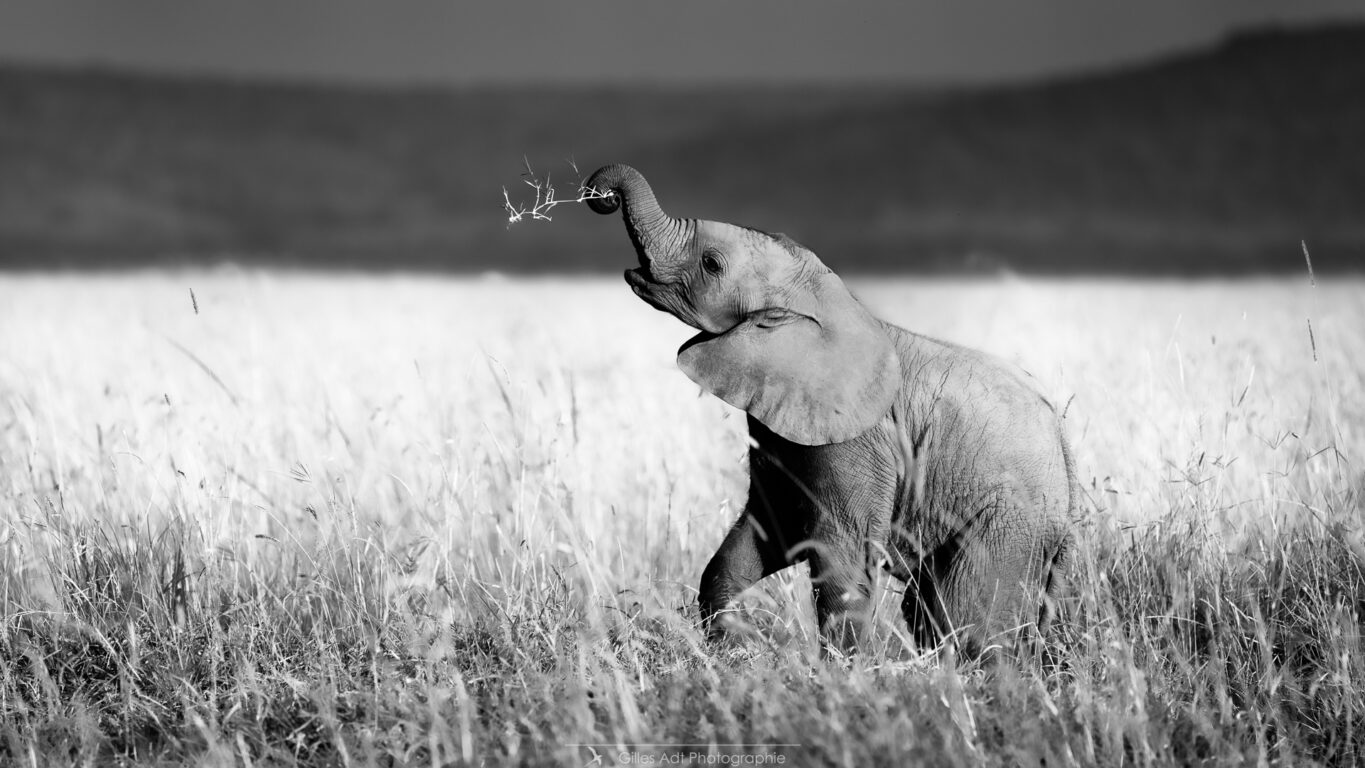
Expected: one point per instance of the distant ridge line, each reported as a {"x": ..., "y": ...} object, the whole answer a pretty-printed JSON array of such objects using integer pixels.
[{"x": 1210, "y": 162}]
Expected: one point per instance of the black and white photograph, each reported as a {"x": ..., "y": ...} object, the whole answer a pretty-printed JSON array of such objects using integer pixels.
[{"x": 596, "y": 383}]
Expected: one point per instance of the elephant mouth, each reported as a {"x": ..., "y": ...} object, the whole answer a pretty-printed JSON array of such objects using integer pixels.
[
  {"x": 639, "y": 281},
  {"x": 671, "y": 297}
]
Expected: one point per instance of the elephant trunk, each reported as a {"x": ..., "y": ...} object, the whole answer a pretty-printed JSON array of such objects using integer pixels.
[{"x": 659, "y": 239}]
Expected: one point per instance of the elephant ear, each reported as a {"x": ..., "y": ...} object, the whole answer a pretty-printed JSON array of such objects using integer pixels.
[{"x": 821, "y": 370}]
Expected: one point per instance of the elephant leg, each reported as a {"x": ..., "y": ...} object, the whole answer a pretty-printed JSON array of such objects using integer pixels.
[
  {"x": 952, "y": 595},
  {"x": 1055, "y": 584},
  {"x": 848, "y": 544},
  {"x": 985, "y": 596},
  {"x": 745, "y": 557},
  {"x": 922, "y": 607},
  {"x": 843, "y": 597}
]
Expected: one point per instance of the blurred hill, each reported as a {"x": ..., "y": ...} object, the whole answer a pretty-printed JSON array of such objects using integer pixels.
[{"x": 1218, "y": 161}]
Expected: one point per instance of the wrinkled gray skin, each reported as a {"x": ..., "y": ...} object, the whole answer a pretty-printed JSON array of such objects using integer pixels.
[{"x": 875, "y": 447}]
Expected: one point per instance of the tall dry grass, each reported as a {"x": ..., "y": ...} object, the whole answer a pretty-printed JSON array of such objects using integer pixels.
[{"x": 357, "y": 520}]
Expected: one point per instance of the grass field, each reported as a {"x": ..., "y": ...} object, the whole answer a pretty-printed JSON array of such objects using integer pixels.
[{"x": 401, "y": 521}]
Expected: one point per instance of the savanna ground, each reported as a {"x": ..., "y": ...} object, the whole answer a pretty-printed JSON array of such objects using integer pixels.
[{"x": 405, "y": 521}]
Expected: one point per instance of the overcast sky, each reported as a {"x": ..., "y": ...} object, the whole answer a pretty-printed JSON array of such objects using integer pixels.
[{"x": 706, "y": 41}]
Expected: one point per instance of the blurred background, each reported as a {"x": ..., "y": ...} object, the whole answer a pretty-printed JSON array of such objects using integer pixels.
[{"x": 1058, "y": 136}]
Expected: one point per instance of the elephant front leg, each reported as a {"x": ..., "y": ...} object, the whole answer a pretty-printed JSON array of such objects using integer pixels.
[
  {"x": 843, "y": 599},
  {"x": 745, "y": 557},
  {"x": 847, "y": 545}
]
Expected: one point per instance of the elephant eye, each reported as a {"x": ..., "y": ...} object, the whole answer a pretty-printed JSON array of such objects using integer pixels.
[{"x": 710, "y": 263}]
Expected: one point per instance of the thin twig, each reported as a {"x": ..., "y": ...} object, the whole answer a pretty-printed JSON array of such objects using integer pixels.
[{"x": 544, "y": 199}]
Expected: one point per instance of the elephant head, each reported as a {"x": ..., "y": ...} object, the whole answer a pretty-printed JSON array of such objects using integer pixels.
[{"x": 781, "y": 336}]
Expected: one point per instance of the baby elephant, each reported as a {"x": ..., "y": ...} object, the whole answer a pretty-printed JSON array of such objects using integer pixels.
[{"x": 873, "y": 446}]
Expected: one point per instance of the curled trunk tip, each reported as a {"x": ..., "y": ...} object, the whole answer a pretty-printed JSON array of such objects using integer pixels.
[
  {"x": 646, "y": 223},
  {"x": 620, "y": 181},
  {"x": 605, "y": 205}
]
